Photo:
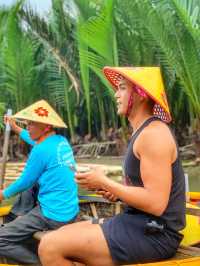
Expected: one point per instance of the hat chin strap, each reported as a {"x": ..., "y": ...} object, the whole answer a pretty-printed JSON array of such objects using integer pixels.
[{"x": 130, "y": 105}]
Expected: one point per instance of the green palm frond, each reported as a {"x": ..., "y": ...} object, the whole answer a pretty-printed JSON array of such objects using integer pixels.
[
  {"x": 2, "y": 112},
  {"x": 62, "y": 55},
  {"x": 18, "y": 61},
  {"x": 189, "y": 14},
  {"x": 88, "y": 8},
  {"x": 172, "y": 41},
  {"x": 3, "y": 21},
  {"x": 98, "y": 32},
  {"x": 97, "y": 46},
  {"x": 61, "y": 93},
  {"x": 43, "y": 33}
]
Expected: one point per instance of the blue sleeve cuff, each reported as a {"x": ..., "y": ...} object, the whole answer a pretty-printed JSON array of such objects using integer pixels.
[
  {"x": 22, "y": 133},
  {"x": 26, "y": 137}
]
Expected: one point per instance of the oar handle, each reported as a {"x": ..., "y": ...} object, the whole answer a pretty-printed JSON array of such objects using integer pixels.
[
  {"x": 9, "y": 113},
  {"x": 5, "y": 149}
]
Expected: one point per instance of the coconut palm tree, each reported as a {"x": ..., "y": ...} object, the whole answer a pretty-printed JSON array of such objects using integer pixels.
[
  {"x": 58, "y": 58},
  {"x": 18, "y": 73},
  {"x": 171, "y": 27},
  {"x": 97, "y": 45},
  {"x": 63, "y": 55}
]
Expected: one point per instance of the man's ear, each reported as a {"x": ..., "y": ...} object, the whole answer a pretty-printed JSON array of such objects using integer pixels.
[{"x": 137, "y": 97}]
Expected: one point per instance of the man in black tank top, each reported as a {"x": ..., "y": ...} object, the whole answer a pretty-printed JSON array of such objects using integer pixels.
[{"x": 153, "y": 189}]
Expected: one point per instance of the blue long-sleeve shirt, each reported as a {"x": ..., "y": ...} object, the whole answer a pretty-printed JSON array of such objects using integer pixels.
[{"x": 50, "y": 164}]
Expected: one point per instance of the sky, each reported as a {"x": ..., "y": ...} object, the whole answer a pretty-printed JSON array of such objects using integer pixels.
[{"x": 42, "y": 6}]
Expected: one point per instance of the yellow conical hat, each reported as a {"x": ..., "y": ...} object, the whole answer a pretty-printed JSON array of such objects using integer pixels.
[
  {"x": 149, "y": 79},
  {"x": 41, "y": 112}
]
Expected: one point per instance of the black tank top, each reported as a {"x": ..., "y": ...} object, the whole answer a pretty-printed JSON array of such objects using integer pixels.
[{"x": 174, "y": 215}]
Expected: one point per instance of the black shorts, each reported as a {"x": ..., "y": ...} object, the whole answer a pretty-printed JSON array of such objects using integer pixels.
[{"x": 128, "y": 242}]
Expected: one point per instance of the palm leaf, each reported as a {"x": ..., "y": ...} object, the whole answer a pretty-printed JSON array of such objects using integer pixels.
[{"x": 158, "y": 19}]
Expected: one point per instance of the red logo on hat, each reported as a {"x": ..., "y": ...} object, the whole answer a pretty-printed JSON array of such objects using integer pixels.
[{"x": 40, "y": 111}]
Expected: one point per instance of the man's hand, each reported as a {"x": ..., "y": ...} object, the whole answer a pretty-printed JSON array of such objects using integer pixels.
[
  {"x": 12, "y": 123},
  {"x": 107, "y": 195},
  {"x": 9, "y": 120},
  {"x": 94, "y": 179}
]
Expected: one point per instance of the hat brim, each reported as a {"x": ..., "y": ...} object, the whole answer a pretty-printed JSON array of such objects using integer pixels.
[
  {"x": 41, "y": 112},
  {"x": 114, "y": 75},
  {"x": 22, "y": 120}
]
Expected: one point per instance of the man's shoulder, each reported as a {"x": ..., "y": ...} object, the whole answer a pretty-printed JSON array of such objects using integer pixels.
[
  {"x": 157, "y": 129},
  {"x": 157, "y": 136}
]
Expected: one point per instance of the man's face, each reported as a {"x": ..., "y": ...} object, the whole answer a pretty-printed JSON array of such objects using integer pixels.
[
  {"x": 122, "y": 95},
  {"x": 36, "y": 129}
]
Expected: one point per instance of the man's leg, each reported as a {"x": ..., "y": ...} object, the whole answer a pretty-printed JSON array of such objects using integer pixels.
[
  {"x": 83, "y": 242},
  {"x": 14, "y": 235},
  {"x": 9, "y": 218},
  {"x": 24, "y": 203}
]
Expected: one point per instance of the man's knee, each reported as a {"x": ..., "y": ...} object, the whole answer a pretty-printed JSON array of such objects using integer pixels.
[{"x": 46, "y": 246}]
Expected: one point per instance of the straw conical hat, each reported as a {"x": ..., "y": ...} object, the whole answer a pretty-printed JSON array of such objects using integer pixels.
[
  {"x": 41, "y": 112},
  {"x": 149, "y": 79}
]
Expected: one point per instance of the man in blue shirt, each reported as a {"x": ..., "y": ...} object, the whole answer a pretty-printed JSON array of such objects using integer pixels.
[{"x": 50, "y": 164}]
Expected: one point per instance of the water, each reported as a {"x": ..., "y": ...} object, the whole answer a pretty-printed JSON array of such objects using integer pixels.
[{"x": 194, "y": 177}]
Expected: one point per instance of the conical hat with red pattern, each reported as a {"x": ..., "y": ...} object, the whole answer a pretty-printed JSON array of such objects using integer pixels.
[{"x": 41, "y": 112}]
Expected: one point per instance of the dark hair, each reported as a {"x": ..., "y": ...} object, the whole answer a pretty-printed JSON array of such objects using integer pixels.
[
  {"x": 151, "y": 103},
  {"x": 61, "y": 131}
]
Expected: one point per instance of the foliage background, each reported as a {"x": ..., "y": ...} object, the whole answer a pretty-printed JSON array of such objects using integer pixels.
[{"x": 60, "y": 56}]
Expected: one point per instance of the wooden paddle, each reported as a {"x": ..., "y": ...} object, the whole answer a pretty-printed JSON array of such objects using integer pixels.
[{"x": 5, "y": 150}]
